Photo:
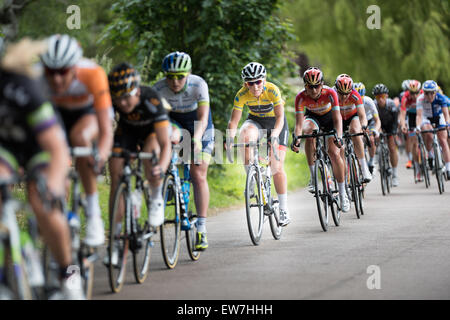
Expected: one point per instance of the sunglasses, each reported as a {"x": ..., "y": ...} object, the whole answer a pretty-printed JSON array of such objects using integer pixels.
[
  {"x": 178, "y": 76},
  {"x": 61, "y": 72},
  {"x": 429, "y": 92},
  {"x": 257, "y": 82},
  {"x": 313, "y": 86}
]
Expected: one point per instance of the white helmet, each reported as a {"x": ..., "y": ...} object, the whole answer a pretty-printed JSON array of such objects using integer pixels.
[
  {"x": 253, "y": 71},
  {"x": 405, "y": 85},
  {"x": 63, "y": 52}
]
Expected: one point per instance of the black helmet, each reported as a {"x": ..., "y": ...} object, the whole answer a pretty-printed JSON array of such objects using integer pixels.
[
  {"x": 123, "y": 79},
  {"x": 379, "y": 89}
]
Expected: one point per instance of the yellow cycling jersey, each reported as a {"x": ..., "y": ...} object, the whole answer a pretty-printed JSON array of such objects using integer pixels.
[{"x": 260, "y": 107}]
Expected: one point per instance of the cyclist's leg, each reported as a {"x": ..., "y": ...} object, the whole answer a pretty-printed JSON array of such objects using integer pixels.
[
  {"x": 355, "y": 127},
  {"x": 309, "y": 125}
]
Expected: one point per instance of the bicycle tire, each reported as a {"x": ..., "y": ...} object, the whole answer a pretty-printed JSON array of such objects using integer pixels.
[
  {"x": 382, "y": 170},
  {"x": 354, "y": 184},
  {"x": 170, "y": 230},
  {"x": 274, "y": 221},
  {"x": 87, "y": 275},
  {"x": 423, "y": 166},
  {"x": 191, "y": 235},
  {"x": 321, "y": 193},
  {"x": 117, "y": 272},
  {"x": 142, "y": 238},
  {"x": 360, "y": 188},
  {"x": 253, "y": 200},
  {"x": 333, "y": 198},
  {"x": 438, "y": 166}
]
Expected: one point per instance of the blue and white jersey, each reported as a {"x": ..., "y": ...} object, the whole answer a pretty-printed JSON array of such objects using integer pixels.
[
  {"x": 432, "y": 109},
  {"x": 194, "y": 93},
  {"x": 369, "y": 107}
]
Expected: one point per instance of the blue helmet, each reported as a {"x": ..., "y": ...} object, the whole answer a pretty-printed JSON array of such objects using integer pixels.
[
  {"x": 360, "y": 87},
  {"x": 430, "y": 85}
]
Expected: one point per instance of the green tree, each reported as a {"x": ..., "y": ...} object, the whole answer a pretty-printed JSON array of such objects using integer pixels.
[
  {"x": 221, "y": 36},
  {"x": 413, "y": 41}
]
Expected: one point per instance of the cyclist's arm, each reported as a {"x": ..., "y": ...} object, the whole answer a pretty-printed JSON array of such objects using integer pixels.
[
  {"x": 337, "y": 121},
  {"x": 53, "y": 141},
  {"x": 377, "y": 122},
  {"x": 162, "y": 135},
  {"x": 202, "y": 116},
  {"x": 419, "y": 112},
  {"x": 299, "y": 116},
  {"x": 105, "y": 139},
  {"x": 236, "y": 115},
  {"x": 279, "y": 122}
]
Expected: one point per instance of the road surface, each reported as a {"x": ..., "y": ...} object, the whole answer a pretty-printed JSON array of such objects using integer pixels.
[{"x": 400, "y": 249}]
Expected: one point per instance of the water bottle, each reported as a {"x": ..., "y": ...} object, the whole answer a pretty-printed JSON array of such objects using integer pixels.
[
  {"x": 136, "y": 202},
  {"x": 74, "y": 225},
  {"x": 33, "y": 267}
]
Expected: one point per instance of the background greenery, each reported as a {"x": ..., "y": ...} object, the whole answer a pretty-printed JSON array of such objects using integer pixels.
[{"x": 223, "y": 35}]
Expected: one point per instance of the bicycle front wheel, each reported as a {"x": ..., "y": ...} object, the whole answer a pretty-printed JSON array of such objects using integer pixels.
[
  {"x": 354, "y": 184},
  {"x": 438, "y": 168},
  {"x": 333, "y": 197},
  {"x": 191, "y": 236},
  {"x": 382, "y": 170},
  {"x": 170, "y": 230},
  {"x": 254, "y": 205},
  {"x": 423, "y": 166},
  {"x": 321, "y": 193},
  {"x": 118, "y": 238},
  {"x": 274, "y": 220},
  {"x": 142, "y": 241}
]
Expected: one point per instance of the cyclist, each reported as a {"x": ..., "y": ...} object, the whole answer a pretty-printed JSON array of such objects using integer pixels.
[
  {"x": 322, "y": 112},
  {"x": 266, "y": 115},
  {"x": 143, "y": 123},
  {"x": 408, "y": 113},
  {"x": 79, "y": 90},
  {"x": 353, "y": 118},
  {"x": 373, "y": 121},
  {"x": 432, "y": 108},
  {"x": 405, "y": 86},
  {"x": 388, "y": 115},
  {"x": 188, "y": 96},
  {"x": 31, "y": 138}
]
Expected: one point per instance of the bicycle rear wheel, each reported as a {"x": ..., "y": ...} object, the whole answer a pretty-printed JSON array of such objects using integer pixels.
[
  {"x": 254, "y": 205},
  {"x": 170, "y": 230},
  {"x": 321, "y": 193},
  {"x": 274, "y": 220},
  {"x": 118, "y": 239},
  {"x": 141, "y": 243}
]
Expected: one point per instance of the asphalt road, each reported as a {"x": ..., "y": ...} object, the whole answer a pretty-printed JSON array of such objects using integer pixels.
[{"x": 400, "y": 249}]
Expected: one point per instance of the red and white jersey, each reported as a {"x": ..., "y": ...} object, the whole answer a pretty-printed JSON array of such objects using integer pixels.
[{"x": 326, "y": 102}]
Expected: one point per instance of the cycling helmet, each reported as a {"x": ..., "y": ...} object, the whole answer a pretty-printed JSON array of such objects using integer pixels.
[
  {"x": 63, "y": 52},
  {"x": 313, "y": 76},
  {"x": 344, "y": 83},
  {"x": 123, "y": 79},
  {"x": 405, "y": 84},
  {"x": 177, "y": 62},
  {"x": 360, "y": 87},
  {"x": 430, "y": 85},
  {"x": 379, "y": 89},
  {"x": 253, "y": 71},
  {"x": 414, "y": 86}
]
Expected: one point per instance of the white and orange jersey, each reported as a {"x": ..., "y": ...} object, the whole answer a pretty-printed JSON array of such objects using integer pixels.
[{"x": 89, "y": 88}]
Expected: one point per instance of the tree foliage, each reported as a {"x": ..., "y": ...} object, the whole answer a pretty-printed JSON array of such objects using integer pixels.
[
  {"x": 221, "y": 36},
  {"x": 412, "y": 43}
]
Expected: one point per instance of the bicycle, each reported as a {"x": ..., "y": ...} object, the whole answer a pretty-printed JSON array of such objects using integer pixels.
[
  {"x": 21, "y": 274},
  {"x": 384, "y": 164},
  {"x": 354, "y": 181},
  {"x": 439, "y": 165},
  {"x": 83, "y": 255},
  {"x": 134, "y": 233},
  {"x": 258, "y": 194},
  {"x": 423, "y": 167},
  {"x": 325, "y": 185},
  {"x": 178, "y": 215}
]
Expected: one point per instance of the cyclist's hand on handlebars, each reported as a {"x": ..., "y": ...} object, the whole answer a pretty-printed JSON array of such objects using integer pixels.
[
  {"x": 404, "y": 129},
  {"x": 295, "y": 144},
  {"x": 338, "y": 142},
  {"x": 157, "y": 171}
]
